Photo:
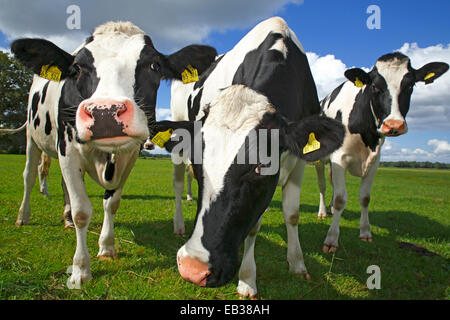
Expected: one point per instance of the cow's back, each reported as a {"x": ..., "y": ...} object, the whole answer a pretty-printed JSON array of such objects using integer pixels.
[{"x": 269, "y": 60}]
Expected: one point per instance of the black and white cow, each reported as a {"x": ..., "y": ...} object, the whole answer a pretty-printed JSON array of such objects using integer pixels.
[
  {"x": 269, "y": 88},
  {"x": 95, "y": 118},
  {"x": 371, "y": 106}
]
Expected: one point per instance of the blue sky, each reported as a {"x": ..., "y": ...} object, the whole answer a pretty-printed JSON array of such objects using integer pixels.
[{"x": 336, "y": 29}]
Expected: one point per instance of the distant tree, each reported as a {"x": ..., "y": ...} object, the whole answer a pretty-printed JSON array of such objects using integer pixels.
[{"x": 15, "y": 82}]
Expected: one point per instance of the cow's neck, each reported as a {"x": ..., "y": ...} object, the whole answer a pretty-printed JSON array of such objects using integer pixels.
[{"x": 363, "y": 121}]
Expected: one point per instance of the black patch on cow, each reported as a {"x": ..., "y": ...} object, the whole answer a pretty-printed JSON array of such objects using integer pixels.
[
  {"x": 236, "y": 210},
  {"x": 338, "y": 116},
  {"x": 287, "y": 83},
  {"x": 335, "y": 93},
  {"x": 44, "y": 92},
  {"x": 69, "y": 133},
  {"x": 75, "y": 89},
  {"x": 88, "y": 40},
  {"x": 205, "y": 75},
  {"x": 108, "y": 194},
  {"x": 147, "y": 81},
  {"x": 35, "y": 53},
  {"x": 361, "y": 120},
  {"x": 48, "y": 123},
  {"x": 109, "y": 170},
  {"x": 105, "y": 123},
  {"x": 392, "y": 56},
  {"x": 37, "y": 122},
  {"x": 194, "y": 108},
  {"x": 34, "y": 104}
]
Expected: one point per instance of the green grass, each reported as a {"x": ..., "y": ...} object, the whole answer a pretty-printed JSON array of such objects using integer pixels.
[{"x": 407, "y": 205}]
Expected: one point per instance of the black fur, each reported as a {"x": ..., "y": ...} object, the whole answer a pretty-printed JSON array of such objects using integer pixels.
[
  {"x": 48, "y": 124},
  {"x": 35, "y": 53}
]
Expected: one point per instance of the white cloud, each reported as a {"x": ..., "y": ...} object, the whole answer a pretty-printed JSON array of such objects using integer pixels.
[
  {"x": 439, "y": 152},
  {"x": 440, "y": 146},
  {"x": 163, "y": 114},
  {"x": 328, "y": 72},
  {"x": 170, "y": 23}
]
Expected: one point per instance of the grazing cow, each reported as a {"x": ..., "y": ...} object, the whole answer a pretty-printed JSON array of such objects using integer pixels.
[
  {"x": 371, "y": 106},
  {"x": 44, "y": 164},
  {"x": 93, "y": 116},
  {"x": 272, "y": 92}
]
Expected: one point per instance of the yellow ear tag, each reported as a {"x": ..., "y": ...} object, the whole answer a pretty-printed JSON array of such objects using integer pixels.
[
  {"x": 428, "y": 77},
  {"x": 358, "y": 83},
  {"x": 51, "y": 73},
  {"x": 162, "y": 137},
  {"x": 312, "y": 144},
  {"x": 189, "y": 75}
]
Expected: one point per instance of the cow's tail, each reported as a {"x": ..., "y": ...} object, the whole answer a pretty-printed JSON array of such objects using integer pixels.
[{"x": 4, "y": 132}]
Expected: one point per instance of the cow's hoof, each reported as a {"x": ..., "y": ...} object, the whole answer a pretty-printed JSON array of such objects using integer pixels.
[
  {"x": 106, "y": 254},
  {"x": 69, "y": 224},
  {"x": 21, "y": 222},
  {"x": 189, "y": 198},
  {"x": 246, "y": 291},
  {"x": 329, "y": 248},
  {"x": 366, "y": 239},
  {"x": 322, "y": 216},
  {"x": 179, "y": 231},
  {"x": 77, "y": 279}
]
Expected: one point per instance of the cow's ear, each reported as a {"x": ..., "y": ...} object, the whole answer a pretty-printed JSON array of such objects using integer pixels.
[
  {"x": 358, "y": 76},
  {"x": 43, "y": 57},
  {"x": 162, "y": 133},
  {"x": 431, "y": 71},
  {"x": 312, "y": 138},
  {"x": 188, "y": 63}
]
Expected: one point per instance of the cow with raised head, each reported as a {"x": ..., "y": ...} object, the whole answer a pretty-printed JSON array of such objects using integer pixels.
[
  {"x": 92, "y": 109},
  {"x": 271, "y": 96},
  {"x": 371, "y": 105}
]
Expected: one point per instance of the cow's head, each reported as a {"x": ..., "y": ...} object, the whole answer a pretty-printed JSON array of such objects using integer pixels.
[
  {"x": 109, "y": 84},
  {"x": 389, "y": 86},
  {"x": 233, "y": 190}
]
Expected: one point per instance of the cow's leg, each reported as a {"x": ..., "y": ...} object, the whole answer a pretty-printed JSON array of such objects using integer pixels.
[
  {"x": 67, "y": 213},
  {"x": 247, "y": 272},
  {"x": 44, "y": 168},
  {"x": 178, "y": 188},
  {"x": 189, "y": 175},
  {"x": 339, "y": 201},
  {"x": 291, "y": 202},
  {"x": 29, "y": 178},
  {"x": 81, "y": 207},
  {"x": 320, "y": 170},
  {"x": 111, "y": 202},
  {"x": 364, "y": 199}
]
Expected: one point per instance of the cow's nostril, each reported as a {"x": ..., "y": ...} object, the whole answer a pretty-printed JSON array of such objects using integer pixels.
[
  {"x": 122, "y": 110},
  {"x": 87, "y": 112}
]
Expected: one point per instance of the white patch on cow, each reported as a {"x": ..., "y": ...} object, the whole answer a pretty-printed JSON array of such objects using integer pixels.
[
  {"x": 393, "y": 72},
  {"x": 115, "y": 59},
  {"x": 232, "y": 115}
]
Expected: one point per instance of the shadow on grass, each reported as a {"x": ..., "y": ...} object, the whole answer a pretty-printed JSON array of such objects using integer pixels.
[{"x": 273, "y": 279}]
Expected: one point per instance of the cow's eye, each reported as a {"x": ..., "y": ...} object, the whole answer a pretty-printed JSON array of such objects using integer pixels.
[
  {"x": 76, "y": 69},
  {"x": 155, "y": 67},
  {"x": 375, "y": 89}
]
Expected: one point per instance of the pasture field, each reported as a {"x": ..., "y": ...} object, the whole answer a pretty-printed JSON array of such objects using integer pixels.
[{"x": 407, "y": 206}]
